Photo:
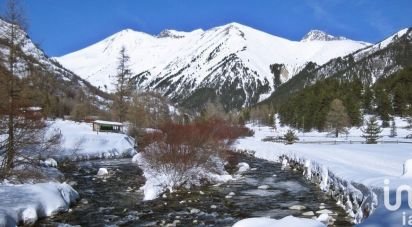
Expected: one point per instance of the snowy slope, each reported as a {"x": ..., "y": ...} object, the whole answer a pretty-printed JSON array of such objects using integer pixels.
[
  {"x": 354, "y": 170},
  {"x": 178, "y": 63},
  {"x": 81, "y": 142}
]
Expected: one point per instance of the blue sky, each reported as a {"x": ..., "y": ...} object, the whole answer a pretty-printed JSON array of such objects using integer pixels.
[{"x": 63, "y": 26}]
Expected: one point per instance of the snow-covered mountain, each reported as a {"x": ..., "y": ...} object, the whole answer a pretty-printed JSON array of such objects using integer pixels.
[
  {"x": 231, "y": 62},
  {"x": 317, "y": 35},
  {"x": 367, "y": 65}
]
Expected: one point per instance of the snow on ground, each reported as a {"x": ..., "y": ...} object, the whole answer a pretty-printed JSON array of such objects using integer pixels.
[
  {"x": 354, "y": 133},
  {"x": 159, "y": 180},
  {"x": 28, "y": 202},
  {"x": 364, "y": 164},
  {"x": 286, "y": 221},
  {"x": 81, "y": 142}
]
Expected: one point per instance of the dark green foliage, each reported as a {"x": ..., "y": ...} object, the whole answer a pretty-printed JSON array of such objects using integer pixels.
[
  {"x": 394, "y": 94},
  {"x": 372, "y": 131},
  {"x": 308, "y": 108},
  {"x": 276, "y": 70},
  {"x": 367, "y": 103},
  {"x": 302, "y": 101},
  {"x": 290, "y": 137},
  {"x": 201, "y": 95}
]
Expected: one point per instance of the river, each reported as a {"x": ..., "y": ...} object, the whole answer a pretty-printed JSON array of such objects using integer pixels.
[{"x": 116, "y": 200}]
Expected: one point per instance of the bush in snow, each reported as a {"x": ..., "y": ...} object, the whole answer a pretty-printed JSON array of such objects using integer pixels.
[
  {"x": 290, "y": 137},
  {"x": 372, "y": 131},
  {"x": 177, "y": 161},
  {"x": 337, "y": 119},
  {"x": 186, "y": 152}
]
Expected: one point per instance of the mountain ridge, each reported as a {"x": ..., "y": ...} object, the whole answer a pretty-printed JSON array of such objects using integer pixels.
[{"x": 232, "y": 58}]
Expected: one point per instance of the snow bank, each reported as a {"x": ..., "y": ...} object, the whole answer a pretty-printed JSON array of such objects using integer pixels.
[
  {"x": 243, "y": 167},
  {"x": 286, "y": 221},
  {"x": 159, "y": 181},
  {"x": 353, "y": 174},
  {"x": 81, "y": 142},
  {"x": 28, "y": 202},
  {"x": 407, "y": 168}
]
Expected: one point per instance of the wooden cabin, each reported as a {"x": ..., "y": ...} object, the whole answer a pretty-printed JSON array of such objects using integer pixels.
[{"x": 107, "y": 126}]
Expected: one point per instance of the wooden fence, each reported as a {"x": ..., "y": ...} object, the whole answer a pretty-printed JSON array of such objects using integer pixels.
[{"x": 278, "y": 140}]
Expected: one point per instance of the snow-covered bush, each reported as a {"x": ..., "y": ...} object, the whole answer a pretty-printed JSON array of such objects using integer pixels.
[
  {"x": 187, "y": 155},
  {"x": 176, "y": 161},
  {"x": 290, "y": 137}
]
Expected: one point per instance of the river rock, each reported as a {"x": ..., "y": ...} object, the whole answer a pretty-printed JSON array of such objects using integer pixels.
[
  {"x": 102, "y": 172},
  {"x": 324, "y": 211},
  {"x": 263, "y": 187},
  {"x": 194, "y": 211},
  {"x": 50, "y": 162},
  {"x": 407, "y": 168},
  {"x": 84, "y": 201},
  {"x": 72, "y": 183},
  {"x": 309, "y": 213},
  {"x": 243, "y": 167},
  {"x": 297, "y": 207},
  {"x": 324, "y": 218},
  {"x": 213, "y": 206}
]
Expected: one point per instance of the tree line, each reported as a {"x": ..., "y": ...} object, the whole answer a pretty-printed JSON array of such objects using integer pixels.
[{"x": 310, "y": 108}]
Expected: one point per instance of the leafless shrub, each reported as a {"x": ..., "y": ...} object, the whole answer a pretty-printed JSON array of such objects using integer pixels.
[{"x": 178, "y": 151}]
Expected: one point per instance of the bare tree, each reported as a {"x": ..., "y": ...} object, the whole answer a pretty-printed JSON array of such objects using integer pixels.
[
  {"x": 337, "y": 119},
  {"x": 23, "y": 132},
  {"x": 123, "y": 86},
  {"x": 214, "y": 110}
]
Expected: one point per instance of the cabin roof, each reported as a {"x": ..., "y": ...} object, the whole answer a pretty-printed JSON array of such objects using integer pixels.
[{"x": 108, "y": 123}]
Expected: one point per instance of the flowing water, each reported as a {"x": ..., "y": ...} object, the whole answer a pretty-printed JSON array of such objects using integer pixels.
[{"x": 117, "y": 201}]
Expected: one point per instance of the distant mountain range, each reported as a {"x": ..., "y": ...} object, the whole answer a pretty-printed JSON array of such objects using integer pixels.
[{"x": 237, "y": 64}]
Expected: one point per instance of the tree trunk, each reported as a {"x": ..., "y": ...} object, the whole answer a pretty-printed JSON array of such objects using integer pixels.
[{"x": 10, "y": 146}]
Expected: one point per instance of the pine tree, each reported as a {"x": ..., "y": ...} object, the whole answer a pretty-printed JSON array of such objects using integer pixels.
[
  {"x": 290, "y": 137},
  {"x": 123, "y": 86},
  {"x": 384, "y": 106},
  {"x": 393, "y": 129},
  {"x": 372, "y": 131},
  {"x": 337, "y": 119},
  {"x": 367, "y": 100}
]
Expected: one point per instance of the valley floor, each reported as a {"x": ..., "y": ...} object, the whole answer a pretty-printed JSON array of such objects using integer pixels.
[{"x": 368, "y": 165}]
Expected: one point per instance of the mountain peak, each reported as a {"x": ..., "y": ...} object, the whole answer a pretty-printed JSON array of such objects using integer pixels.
[
  {"x": 318, "y": 35},
  {"x": 169, "y": 33}
]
